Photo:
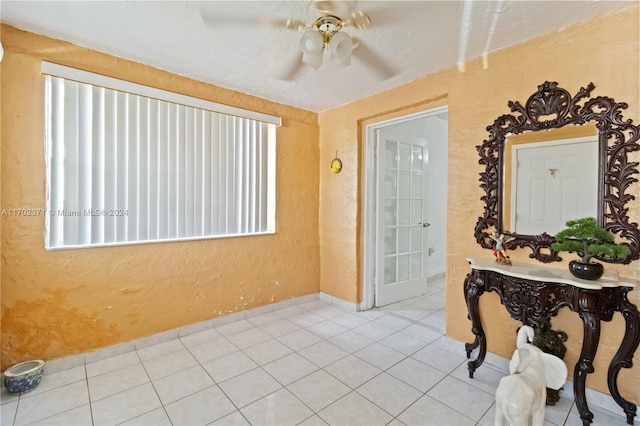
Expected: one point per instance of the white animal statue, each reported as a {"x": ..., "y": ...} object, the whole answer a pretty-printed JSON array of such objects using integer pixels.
[{"x": 521, "y": 396}]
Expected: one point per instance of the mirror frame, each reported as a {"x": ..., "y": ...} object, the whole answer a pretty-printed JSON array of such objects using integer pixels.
[{"x": 616, "y": 138}]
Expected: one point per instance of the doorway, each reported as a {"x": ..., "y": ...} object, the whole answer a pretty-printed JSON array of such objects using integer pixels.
[{"x": 404, "y": 221}]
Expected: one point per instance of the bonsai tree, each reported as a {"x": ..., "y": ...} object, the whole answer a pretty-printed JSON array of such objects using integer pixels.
[{"x": 587, "y": 239}]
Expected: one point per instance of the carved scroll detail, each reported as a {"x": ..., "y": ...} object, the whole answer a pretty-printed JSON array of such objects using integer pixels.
[{"x": 552, "y": 107}]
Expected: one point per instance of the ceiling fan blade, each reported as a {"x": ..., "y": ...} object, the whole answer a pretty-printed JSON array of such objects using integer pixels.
[
  {"x": 341, "y": 8},
  {"x": 367, "y": 55},
  {"x": 387, "y": 15},
  {"x": 213, "y": 19},
  {"x": 289, "y": 72}
]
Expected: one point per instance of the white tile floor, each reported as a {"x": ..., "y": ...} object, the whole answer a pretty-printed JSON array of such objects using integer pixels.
[{"x": 309, "y": 364}]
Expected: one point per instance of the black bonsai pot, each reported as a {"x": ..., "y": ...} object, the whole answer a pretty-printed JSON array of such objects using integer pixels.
[{"x": 586, "y": 271}]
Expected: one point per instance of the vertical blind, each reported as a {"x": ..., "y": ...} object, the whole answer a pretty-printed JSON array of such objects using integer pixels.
[{"x": 127, "y": 168}]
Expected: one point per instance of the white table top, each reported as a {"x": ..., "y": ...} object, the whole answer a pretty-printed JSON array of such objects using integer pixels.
[{"x": 544, "y": 273}]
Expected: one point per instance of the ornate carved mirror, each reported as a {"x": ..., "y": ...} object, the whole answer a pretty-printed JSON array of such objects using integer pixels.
[{"x": 552, "y": 107}]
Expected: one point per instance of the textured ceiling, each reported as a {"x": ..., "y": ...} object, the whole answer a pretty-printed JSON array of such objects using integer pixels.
[{"x": 244, "y": 45}]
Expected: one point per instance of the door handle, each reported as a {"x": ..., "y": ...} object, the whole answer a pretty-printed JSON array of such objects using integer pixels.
[{"x": 425, "y": 224}]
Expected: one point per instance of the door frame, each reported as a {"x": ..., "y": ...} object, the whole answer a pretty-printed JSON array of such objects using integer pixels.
[{"x": 369, "y": 198}]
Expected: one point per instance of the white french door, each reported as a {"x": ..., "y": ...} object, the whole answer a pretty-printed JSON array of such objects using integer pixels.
[{"x": 401, "y": 222}]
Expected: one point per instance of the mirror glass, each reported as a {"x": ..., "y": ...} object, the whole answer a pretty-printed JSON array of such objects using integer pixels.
[{"x": 550, "y": 177}]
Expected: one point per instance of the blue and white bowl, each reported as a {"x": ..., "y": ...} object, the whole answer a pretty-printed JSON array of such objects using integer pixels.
[{"x": 23, "y": 377}]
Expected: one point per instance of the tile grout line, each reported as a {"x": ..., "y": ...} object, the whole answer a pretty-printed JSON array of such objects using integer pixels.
[
  {"x": 86, "y": 378},
  {"x": 154, "y": 388}
]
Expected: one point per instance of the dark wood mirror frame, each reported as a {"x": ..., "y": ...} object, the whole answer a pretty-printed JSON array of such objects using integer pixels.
[{"x": 552, "y": 107}]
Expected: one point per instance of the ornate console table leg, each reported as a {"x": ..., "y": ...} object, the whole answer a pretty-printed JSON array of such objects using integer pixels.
[
  {"x": 474, "y": 287},
  {"x": 624, "y": 356},
  {"x": 591, "y": 321}
]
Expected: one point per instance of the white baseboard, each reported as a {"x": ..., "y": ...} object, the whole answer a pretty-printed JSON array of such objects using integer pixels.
[
  {"x": 65, "y": 363},
  {"x": 343, "y": 304}
]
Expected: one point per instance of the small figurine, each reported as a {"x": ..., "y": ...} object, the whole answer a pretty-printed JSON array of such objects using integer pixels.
[
  {"x": 499, "y": 247},
  {"x": 521, "y": 396}
]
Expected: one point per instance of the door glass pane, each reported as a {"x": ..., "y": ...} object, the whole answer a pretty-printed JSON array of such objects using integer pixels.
[
  {"x": 416, "y": 266},
  {"x": 403, "y": 268},
  {"x": 390, "y": 270},
  {"x": 390, "y": 210},
  {"x": 390, "y": 241},
  {"x": 404, "y": 184},
  {"x": 390, "y": 183},
  {"x": 416, "y": 238},
  {"x": 416, "y": 158},
  {"x": 403, "y": 239},
  {"x": 404, "y": 156},
  {"x": 416, "y": 185},
  {"x": 391, "y": 154},
  {"x": 404, "y": 212},
  {"x": 416, "y": 212}
]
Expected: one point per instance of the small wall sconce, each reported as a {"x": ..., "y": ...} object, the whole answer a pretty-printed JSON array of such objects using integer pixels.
[{"x": 336, "y": 164}]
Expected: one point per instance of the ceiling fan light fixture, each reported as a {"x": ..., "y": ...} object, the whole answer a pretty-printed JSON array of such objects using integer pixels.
[
  {"x": 312, "y": 43},
  {"x": 341, "y": 45}
]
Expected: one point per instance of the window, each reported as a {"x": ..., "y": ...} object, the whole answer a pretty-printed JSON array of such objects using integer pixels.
[{"x": 132, "y": 164}]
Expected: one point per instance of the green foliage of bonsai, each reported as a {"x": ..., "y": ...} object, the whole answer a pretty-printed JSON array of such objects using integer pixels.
[{"x": 587, "y": 239}]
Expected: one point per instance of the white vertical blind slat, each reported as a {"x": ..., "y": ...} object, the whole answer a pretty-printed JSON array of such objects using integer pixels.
[
  {"x": 97, "y": 166},
  {"x": 85, "y": 147},
  {"x": 223, "y": 159},
  {"x": 244, "y": 204},
  {"x": 207, "y": 173},
  {"x": 239, "y": 160},
  {"x": 153, "y": 162},
  {"x": 261, "y": 177},
  {"x": 122, "y": 166},
  {"x": 187, "y": 173},
  {"x": 110, "y": 162},
  {"x": 231, "y": 176},
  {"x": 198, "y": 175},
  {"x": 215, "y": 174},
  {"x": 55, "y": 145},
  {"x": 71, "y": 165},
  {"x": 251, "y": 193},
  {"x": 172, "y": 167},
  {"x": 181, "y": 170},
  {"x": 164, "y": 211},
  {"x": 133, "y": 178},
  {"x": 143, "y": 168}
]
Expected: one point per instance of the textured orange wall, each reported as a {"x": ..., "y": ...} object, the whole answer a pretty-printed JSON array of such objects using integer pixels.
[
  {"x": 59, "y": 303},
  {"x": 604, "y": 51}
]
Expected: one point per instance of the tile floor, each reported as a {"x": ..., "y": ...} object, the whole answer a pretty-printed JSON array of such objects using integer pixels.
[{"x": 308, "y": 364}]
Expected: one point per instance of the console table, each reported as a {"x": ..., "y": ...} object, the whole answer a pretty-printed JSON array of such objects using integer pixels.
[{"x": 533, "y": 294}]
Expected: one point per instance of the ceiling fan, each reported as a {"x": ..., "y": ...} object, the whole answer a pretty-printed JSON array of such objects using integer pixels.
[{"x": 324, "y": 37}]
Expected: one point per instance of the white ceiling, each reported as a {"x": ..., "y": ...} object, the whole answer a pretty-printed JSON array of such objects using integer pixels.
[{"x": 247, "y": 46}]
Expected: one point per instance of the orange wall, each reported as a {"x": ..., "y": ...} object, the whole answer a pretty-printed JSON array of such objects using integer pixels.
[
  {"x": 604, "y": 51},
  {"x": 59, "y": 303}
]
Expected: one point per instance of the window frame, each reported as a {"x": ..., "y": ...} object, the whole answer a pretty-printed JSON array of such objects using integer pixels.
[{"x": 101, "y": 81}]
